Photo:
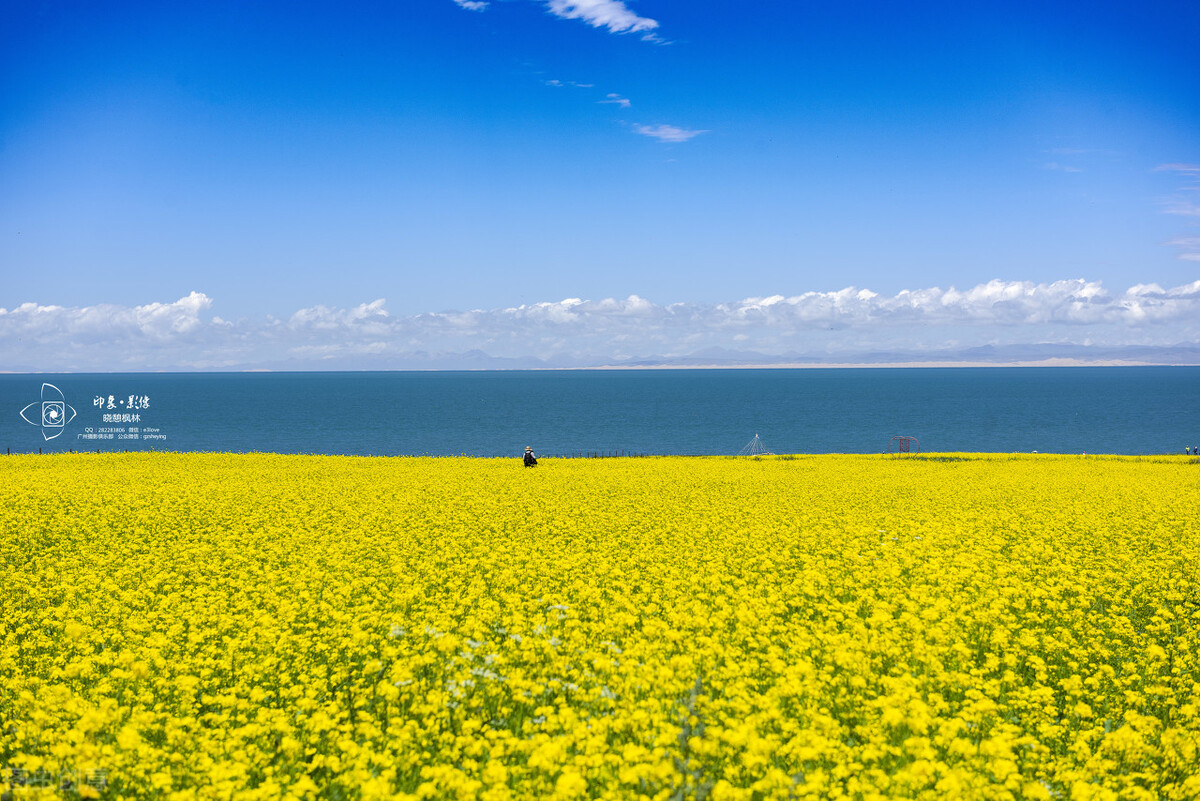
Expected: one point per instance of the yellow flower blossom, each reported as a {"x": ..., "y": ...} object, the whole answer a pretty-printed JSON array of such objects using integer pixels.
[{"x": 212, "y": 626}]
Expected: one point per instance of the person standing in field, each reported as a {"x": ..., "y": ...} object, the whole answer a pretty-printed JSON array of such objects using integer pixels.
[{"x": 530, "y": 459}]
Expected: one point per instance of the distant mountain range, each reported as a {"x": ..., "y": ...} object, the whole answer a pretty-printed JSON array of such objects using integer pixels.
[
  {"x": 986, "y": 354},
  {"x": 1048, "y": 354}
]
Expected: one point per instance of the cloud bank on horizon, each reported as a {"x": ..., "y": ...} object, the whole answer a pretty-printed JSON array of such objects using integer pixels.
[{"x": 828, "y": 326}]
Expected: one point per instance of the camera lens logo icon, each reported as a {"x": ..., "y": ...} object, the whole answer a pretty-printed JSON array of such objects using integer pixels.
[{"x": 56, "y": 412}]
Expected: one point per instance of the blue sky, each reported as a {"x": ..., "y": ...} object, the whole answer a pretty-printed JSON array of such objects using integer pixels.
[{"x": 375, "y": 165}]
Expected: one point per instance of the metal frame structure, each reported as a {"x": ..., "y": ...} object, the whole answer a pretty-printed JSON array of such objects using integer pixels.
[
  {"x": 899, "y": 445},
  {"x": 755, "y": 448}
]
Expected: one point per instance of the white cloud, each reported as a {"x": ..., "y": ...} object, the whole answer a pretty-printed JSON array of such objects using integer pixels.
[
  {"x": 613, "y": 97},
  {"x": 322, "y": 318},
  {"x": 1183, "y": 208},
  {"x": 153, "y": 322},
  {"x": 1079, "y": 151},
  {"x": 558, "y": 83},
  {"x": 610, "y": 14},
  {"x": 613, "y": 15},
  {"x": 1183, "y": 169},
  {"x": 43, "y": 338},
  {"x": 1189, "y": 247},
  {"x": 666, "y": 133},
  {"x": 1054, "y": 165},
  {"x": 1183, "y": 205}
]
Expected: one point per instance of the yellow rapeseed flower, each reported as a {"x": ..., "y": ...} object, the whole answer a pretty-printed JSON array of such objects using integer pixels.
[{"x": 212, "y": 626}]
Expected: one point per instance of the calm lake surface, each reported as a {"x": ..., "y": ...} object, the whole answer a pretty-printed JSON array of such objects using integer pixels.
[{"x": 1127, "y": 410}]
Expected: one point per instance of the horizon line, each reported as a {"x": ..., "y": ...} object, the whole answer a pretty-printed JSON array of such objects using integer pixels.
[{"x": 947, "y": 365}]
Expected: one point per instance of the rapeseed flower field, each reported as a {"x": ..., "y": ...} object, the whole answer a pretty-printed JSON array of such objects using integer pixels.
[{"x": 194, "y": 626}]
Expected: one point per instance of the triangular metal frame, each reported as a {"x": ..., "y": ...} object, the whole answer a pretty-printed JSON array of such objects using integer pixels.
[{"x": 755, "y": 448}]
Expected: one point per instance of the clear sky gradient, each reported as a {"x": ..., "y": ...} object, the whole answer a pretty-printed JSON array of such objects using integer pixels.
[{"x": 447, "y": 155}]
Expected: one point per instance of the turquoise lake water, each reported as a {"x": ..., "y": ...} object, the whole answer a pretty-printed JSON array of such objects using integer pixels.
[{"x": 1128, "y": 410}]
